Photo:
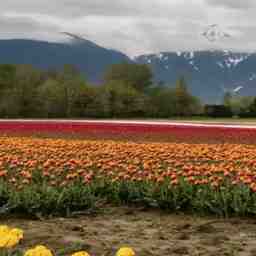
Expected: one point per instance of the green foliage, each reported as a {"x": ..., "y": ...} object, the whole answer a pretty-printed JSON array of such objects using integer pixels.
[
  {"x": 7, "y": 76},
  {"x": 136, "y": 75},
  {"x": 128, "y": 92},
  {"x": 18, "y": 96},
  {"x": 252, "y": 107},
  {"x": 51, "y": 100},
  {"x": 122, "y": 100},
  {"x": 63, "y": 97},
  {"x": 217, "y": 111},
  {"x": 242, "y": 106},
  {"x": 43, "y": 199},
  {"x": 162, "y": 102},
  {"x": 185, "y": 103},
  {"x": 165, "y": 102},
  {"x": 12, "y": 252}
]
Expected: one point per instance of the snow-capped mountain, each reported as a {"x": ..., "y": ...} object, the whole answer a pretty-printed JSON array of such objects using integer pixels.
[{"x": 209, "y": 73}]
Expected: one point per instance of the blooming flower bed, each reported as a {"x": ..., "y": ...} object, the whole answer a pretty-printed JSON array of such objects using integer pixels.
[
  {"x": 204, "y": 170},
  {"x": 58, "y": 176},
  {"x": 130, "y": 131}
]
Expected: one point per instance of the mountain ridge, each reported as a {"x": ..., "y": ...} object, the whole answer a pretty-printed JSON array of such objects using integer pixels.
[
  {"x": 209, "y": 73},
  {"x": 91, "y": 59}
]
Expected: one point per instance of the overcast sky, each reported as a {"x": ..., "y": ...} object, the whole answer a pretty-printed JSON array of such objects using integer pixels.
[{"x": 133, "y": 26}]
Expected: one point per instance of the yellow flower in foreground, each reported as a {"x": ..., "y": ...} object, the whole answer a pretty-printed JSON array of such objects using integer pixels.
[
  {"x": 125, "y": 251},
  {"x": 17, "y": 232},
  {"x": 82, "y": 253},
  {"x": 8, "y": 241},
  {"x": 10, "y": 237},
  {"x": 4, "y": 230},
  {"x": 39, "y": 250}
]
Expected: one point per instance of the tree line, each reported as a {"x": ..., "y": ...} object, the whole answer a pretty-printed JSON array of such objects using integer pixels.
[
  {"x": 126, "y": 91},
  {"x": 233, "y": 106}
]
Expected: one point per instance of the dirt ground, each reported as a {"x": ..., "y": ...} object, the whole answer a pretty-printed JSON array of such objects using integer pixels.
[{"x": 148, "y": 232}]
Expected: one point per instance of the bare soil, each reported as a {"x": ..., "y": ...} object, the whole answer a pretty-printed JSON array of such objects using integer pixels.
[{"x": 148, "y": 232}]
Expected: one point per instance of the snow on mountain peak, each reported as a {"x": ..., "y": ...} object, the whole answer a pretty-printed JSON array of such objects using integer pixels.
[
  {"x": 237, "y": 89},
  {"x": 192, "y": 63},
  {"x": 189, "y": 55},
  {"x": 160, "y": 56},
  {"x": 231, "y": 60},
  {"x": 237, "y": 59},
  {"x": 179, "y": 53},
  {"x": 220, "y": 64},
  {"x": 225, "y": 59},
  {"x": 226, "y": 52}
]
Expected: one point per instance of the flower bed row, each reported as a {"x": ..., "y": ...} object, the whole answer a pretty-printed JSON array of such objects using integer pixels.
[
  {"x": 58, "y": 176},
  {"x": 130, "y": 131}
]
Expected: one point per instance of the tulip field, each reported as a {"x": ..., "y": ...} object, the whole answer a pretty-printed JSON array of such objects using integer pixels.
[
  {"x": 130, "y": 131},
  {"x": 204, "y": 170},
  {"x": 128, "y": 179}
]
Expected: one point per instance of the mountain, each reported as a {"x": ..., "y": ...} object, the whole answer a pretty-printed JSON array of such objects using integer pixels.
[
  {"x": 209, "y": 73},
  {"x": 90, "y": 58}
]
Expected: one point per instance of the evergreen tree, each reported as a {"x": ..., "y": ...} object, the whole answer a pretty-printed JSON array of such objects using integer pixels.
[{"x": 182, "y": 98}]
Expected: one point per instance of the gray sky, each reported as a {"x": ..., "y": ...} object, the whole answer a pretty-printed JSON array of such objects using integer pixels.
[{"x": 133, "y": 26}]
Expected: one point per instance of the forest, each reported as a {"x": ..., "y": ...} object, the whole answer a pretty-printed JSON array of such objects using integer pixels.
[{"x": 126, "y": 91}]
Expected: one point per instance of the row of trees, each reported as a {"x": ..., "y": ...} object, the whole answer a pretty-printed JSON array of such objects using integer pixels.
[
  {"x": 242, "y": 106},
  {"x": 127, "y": 91},
  {"x": 233, "y": 106}
]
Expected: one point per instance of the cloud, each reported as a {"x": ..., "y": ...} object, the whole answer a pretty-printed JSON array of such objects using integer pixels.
[
  {"x": 135, "y": 28},
  {"x": 121, "y": 8},
  {"x": 26, "y": 27},
  {"x": 233, "y": 4}
]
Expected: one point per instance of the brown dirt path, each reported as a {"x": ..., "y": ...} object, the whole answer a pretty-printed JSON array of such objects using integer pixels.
[{"x": 148, "y": 232}]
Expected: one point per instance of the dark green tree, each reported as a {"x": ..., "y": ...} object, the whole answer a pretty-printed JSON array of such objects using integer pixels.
[
  {"x": 136, "y": 75},
  {"x": 182, "y": 98},
  {"x": 24, "y": 91},
  {"x": 253, "y": 108},
  {"x": 122, "y": 100},
  {"x": 7, "y": 75},
  {"x": 72, "y": 85}
]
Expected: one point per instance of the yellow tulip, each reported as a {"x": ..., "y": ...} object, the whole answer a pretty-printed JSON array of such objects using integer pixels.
[
  {"x": 82, "y": 253},
  {"x": 4, "y": 230},
  {"x": 17, "y": 232},
  {"x": 39, "y": 250},
  {"x": 9, "y": 241},
  {"x": 10, "y": 237},
  {"x": 125, "y": 251}
]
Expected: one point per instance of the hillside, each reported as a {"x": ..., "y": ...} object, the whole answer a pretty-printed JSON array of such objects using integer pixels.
[
  {"x": 89, "y": 58},
  {"x": 209, "y": 73}
]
